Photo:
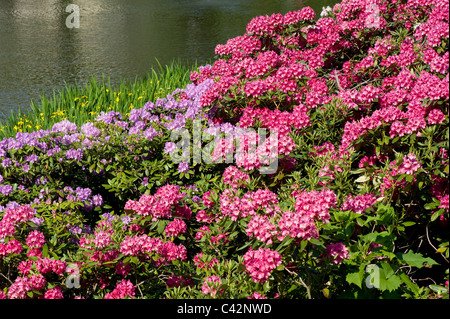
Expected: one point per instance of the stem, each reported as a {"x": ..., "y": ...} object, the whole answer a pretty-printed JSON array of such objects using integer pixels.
[
  {"x": 302, "y": 283},
  {"x": 337, "y": 81},
  {"x": 428, "y": 238},
  {"x": 6, "y": 278}
]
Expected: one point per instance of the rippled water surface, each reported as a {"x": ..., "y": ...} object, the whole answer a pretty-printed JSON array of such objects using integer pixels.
[{"x": 116, "y": 38}]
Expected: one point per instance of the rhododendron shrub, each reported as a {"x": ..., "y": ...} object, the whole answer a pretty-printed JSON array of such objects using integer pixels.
[{"x": 352, "y": 106}]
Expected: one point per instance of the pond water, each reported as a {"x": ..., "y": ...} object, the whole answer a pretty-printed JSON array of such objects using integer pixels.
[{"x": 120, "y": 39}]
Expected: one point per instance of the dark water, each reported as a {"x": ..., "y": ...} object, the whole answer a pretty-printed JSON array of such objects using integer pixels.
[{"x": 116, "y": 38}]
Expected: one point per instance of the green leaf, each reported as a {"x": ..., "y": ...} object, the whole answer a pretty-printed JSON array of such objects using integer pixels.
[
  {"x": 303, "y": 244},
  {"x": 45, "y": 251},
  {"x": 413, "y": 287},
  {"x": 241, "y": 267},
  {"x": 287, "y": 240},
  {"x": 438, "y": 289},
  {"x": 407, "y": 224},
  {"x": 161, "y": 226},
  {"x": 436, "y": 214},
  {"x": 316, "y": 242},
  {"x": 356, "y": 277},
  {"x": 387, "y": 279},
  {"x": 362, "y": 179},
  {"x": 54, "y": 240},
  {"x": 386, "y": 214},
  {"x": 416, "y": 259},
  {"x": 432, "y": 205}
]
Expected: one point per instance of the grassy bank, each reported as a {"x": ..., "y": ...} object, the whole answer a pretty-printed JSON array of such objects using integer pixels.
[{"x": 80, "y": 104}]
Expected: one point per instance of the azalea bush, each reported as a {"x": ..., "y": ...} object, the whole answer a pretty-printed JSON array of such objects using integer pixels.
[{"x": 350, "y": 110}]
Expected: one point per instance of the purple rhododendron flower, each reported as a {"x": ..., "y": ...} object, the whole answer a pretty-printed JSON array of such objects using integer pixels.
[
  {"x": 90, "y": 130},
  {"x": 97, "y": 200},
  {"x": 170, "y": 147},
  {"x": 64, "y": 127},
  {"x": 183, "y": 167},
  {"x": 108, "y": 118},
  {"x": 74, "y": 154},
  {"x": 6, "y": 189},
  {"x": 83, "y": 193},
  {"x": 6, "y": 162},
  {"x": 31, "y": 158}
]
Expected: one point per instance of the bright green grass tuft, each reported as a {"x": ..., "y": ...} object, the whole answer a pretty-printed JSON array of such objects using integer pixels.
[{"x": 80, "y": 104}]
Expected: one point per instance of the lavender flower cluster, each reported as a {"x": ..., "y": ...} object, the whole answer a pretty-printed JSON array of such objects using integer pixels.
[{"x": 66, "y": 143}]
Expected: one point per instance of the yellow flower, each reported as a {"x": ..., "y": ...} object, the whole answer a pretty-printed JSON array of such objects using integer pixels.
[
  {"x": 58, "y": 113},
  {"x": 139, "y": 98},
  {"x": 20, "y": 123},
  {"x": 117, "y": 99},
  {"x": 38, "y": 127},
  {"x": 76, "y": 99},
  {"x": 131, "y": 106},
  {"x": 130, "y": 94}
]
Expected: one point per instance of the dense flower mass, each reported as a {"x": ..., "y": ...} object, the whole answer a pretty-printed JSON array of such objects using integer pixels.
[
  {"x": 314, "y": 148},
  {"x": 260, "y": 263}
]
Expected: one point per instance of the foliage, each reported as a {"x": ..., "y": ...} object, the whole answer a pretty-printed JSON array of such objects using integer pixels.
[{"x": 357, "y": 109}]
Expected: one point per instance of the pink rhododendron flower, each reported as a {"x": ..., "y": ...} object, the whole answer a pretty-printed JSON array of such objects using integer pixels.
[
  {"x": 179, "y": 281},
  {"x": 13, "y": 246},
  {"x": 410, "y": 165},
  {"x": 436, "y": 117},
  {"x": 315, "y": 204},
  {"x": 54, "y": 293},
  {"x": 211, "y": 285},
  {"x": 359, "y": 203},
  {"x": 260, "y": 263},
  {"x": 124, "y": 289},
  {"x": 207, "y": 199},
  {"x": 261, "y": 228},
  {"x": 175, "y": 228},
  {"x": 200, "y": 260},
  {"x": 256, "y": 295},
  {"x": 337, "y": 252},
  {"x": 19, "y": 289}
]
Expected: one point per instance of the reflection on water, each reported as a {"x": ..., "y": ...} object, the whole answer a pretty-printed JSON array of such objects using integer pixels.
[{"x": 117, "y": 38}]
